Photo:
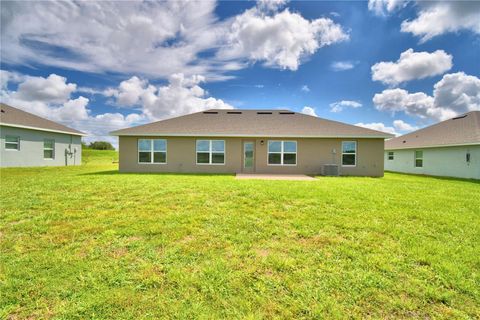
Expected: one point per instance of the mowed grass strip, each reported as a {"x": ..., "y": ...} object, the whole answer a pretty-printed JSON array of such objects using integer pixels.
[{"x": 89, "y": 242}]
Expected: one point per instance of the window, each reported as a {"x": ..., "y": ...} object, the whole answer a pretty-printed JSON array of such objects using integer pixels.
[
  {"x": 48, "y": 149},
  {"x": 152, "y": 151},
  {"x": 282, "y": 153},
  {"x": 390, "y": 155},
  {"x": 349, "y": 153},
  {"x": 418, "y": 159},
  {"x": 12, "y": 143},
  {"x": 210, "y": 151}
]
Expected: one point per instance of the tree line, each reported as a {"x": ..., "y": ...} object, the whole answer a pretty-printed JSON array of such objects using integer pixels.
[{"x": 98, "y": 145}]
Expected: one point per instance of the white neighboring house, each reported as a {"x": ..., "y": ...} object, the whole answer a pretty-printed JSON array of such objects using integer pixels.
[
  {"x": 450, "y": 148},
  {"x": 27, "y": 140}
]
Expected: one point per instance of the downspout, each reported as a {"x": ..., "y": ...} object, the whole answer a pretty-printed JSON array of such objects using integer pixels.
[
  {"x": 74, "y": 152},
  {"x": 69, "y": 153}
]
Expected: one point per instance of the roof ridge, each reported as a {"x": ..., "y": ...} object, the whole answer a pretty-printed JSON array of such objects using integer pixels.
[{"x": 253, "y": 110}]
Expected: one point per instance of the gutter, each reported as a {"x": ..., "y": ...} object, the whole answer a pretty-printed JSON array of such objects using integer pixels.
[{"x": 41, "y": 129}]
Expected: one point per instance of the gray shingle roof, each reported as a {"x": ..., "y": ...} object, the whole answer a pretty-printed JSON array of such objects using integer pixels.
[
  {"x": 260, "y": 123},
  {"x": 461, "y": 130},
  {"x": 10, "y": 116}
]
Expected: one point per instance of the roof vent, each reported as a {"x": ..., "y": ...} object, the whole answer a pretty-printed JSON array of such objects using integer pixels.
[
  {"x": 263, "y": 112},
  {"x": 210, "y": 112},
  {"x": 234, "y": 112},
  {"x": 287, "y": 112},
  {"x": 459, "y": 117}
]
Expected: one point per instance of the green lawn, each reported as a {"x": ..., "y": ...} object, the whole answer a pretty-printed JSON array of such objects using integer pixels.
[{"x": 88, "y": 242}]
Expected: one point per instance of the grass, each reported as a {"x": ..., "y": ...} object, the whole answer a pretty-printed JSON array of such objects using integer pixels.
[{"x": 90, "y": 243}]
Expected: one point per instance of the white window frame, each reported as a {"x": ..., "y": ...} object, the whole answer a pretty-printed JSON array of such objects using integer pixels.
[
  {"x": 17, "y": 143},
  {"x": 390, "y": 153},
  {"x": 346, "y": 153},
  {"x": 211, "y": 152},
  {"x": 49, "y": 149},
  {"x": 415, "y": 158},
  {"x": 281, "y": 153},
  {"x": 152, "y": 151}
]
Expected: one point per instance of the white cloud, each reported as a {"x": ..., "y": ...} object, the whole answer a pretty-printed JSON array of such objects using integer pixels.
[
  {"x": 182, "y": 95},
  {"x": 458, "y": 91},
  {"x": 436, "y": 18},
  {"x": 129, "y": 91},
  {"x": 107, "y": 122},
  {"x": 454, "y": 94},
  {"x": 412, "y": 65},
  {"x": 305, "y": 88},
  {"x": 401, "y": 125},
  {"x": 66, "y": 112},
  {"x": 379, "y": 126},
  {"x": 396, "y": 100},
  {"x": 52, "y": 89},
  {"x": 90, "y": 91},
  {"x": 383, "y": 7},
  {"x": 7, "y": 77},
  {"x": 342, "y": 65},
  {"x": 340, "y": 105},
  {"x": 98, "y": 127},
  {"x": 73, "y": 110},
  {"x": 270, "y": 5},
  {"x": 159, "y": 38},
  {"x": 51, "y": 97},
  {"x": 48, "y": 97},
  {"x": 280, "y": 40},
  {"x": 309, "y": 111},
  {"x": 151, "y": 38}
]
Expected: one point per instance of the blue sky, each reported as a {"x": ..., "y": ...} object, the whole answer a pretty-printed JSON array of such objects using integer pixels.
[{"x": 152, "y": 60}]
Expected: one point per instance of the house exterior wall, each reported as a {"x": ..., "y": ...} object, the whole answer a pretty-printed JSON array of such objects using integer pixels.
[
  {"x": 30, "y": 153},
  {"x": 444, "y": 161},
  {"x": 312, "y": 154}
]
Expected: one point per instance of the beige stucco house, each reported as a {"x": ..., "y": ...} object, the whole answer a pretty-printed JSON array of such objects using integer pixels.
[{"x": 251, "y": 141}]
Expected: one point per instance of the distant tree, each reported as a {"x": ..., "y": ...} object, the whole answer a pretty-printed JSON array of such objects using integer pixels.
[
  {"x": 101, "y": 145},
  {"x": 84, "y": 145}
]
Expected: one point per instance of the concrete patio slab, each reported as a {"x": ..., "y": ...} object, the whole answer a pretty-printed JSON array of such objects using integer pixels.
[{"x": 262, "y": 176}]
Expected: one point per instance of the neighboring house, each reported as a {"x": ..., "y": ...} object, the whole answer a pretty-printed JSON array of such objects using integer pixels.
[
  {"x": 255, "y": 141},
  {"x": 449, "y": 148},
  {"x": 28, "y": 140}
]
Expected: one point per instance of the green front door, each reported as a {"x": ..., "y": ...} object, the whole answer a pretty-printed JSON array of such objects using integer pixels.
[{"x": 248, "y": 156}]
